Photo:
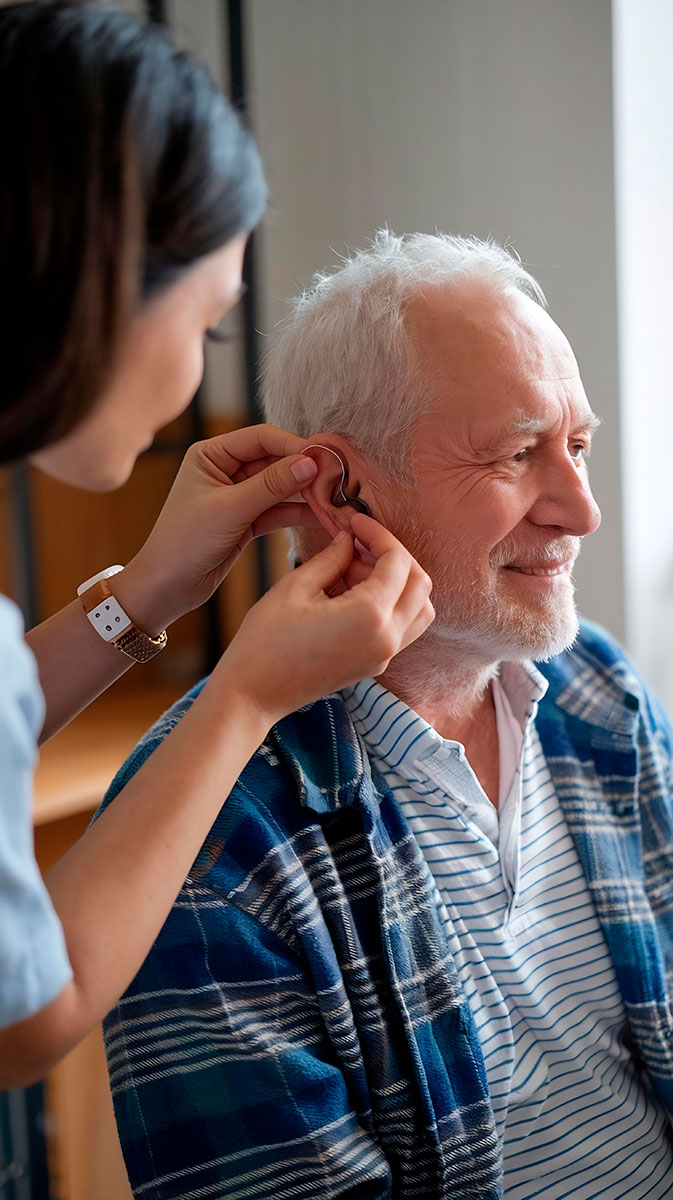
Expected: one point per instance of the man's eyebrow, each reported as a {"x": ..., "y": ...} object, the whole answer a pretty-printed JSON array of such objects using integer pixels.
[
  {"x": 533, "y": 425},
  {"x": 589, "y": 425}
]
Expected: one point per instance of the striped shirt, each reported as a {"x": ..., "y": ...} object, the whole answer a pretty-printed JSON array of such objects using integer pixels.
[
  {"x": 572, "y": 1111},
  {"x": 300, "y": 1028}
]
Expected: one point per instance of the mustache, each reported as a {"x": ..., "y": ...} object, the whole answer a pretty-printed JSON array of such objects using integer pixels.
[{"x": 514, "y": 550}]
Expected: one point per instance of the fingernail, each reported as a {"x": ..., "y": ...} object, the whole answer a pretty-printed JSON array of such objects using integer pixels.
[
  {"x": 363, "y": 552},
  {"x": 304, "y": 469}
]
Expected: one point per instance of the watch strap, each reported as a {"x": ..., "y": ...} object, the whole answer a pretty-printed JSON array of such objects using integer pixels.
[
  {"x": 138, "y": 645},
  {"x": 106, "y": 615}
]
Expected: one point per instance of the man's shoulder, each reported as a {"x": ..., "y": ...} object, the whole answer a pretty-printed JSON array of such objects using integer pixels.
[
  {"x": 593, "y": 650},
  {"x": 596, "y": 682},
  {"x": 311, "y": 763}
]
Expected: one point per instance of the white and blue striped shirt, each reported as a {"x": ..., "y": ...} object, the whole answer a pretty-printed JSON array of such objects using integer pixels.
[{"x": 575, "y": 1115}]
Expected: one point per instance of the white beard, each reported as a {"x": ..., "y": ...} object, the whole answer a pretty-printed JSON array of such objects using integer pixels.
[
  {"x": 503, "y": 629},
  {"x": 480, "y": 624}
]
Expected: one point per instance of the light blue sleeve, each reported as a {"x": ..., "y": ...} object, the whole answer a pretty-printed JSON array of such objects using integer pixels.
[{"x": 34, "y": 964}]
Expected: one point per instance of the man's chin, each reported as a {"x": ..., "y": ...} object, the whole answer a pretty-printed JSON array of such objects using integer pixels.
[
  {"x": 544, "y": 644},
  {"x": 516, "y": 638}
]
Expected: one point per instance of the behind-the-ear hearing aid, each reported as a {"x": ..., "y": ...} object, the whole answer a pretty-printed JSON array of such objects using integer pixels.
[{"x": 339, "y": 497}]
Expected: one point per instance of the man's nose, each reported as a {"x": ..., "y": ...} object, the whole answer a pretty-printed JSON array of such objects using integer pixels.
[{"x": 566, "y": 500}]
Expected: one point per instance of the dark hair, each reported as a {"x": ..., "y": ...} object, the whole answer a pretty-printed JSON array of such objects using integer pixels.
[{"x": 121, "y": 165}]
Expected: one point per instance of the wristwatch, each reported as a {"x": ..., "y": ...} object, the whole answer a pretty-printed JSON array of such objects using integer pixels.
[{"x": 108, "y": 618}]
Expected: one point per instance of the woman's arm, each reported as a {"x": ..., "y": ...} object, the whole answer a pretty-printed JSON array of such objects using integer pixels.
[
  {"x": 74, "y": 663},
  {"x": 115, "y": 887}
]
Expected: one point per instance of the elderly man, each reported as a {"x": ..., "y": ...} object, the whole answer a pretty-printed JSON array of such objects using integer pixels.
[{"x": 426, "y": 950}]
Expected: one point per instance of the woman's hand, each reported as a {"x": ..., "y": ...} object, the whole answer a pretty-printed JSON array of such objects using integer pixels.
[
  {"x": 228, "y": 490},
  {"x": 301, "y": 641}
]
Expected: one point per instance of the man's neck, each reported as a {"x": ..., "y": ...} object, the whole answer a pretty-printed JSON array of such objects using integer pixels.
[
  {"x": 449, "y": 686},
  {"x": 453, "y": 693}
]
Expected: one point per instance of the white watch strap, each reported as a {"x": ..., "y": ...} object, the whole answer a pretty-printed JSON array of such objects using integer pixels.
[
  {"x": 106, "y": 574},
  {"x": 109, "y": 619}
]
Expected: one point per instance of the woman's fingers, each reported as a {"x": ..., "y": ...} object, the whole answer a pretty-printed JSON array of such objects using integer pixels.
[
  {"x": 373, "y": 536},
  {"x": 375, "y": 544},
  {"x": 414, "y": 600},
  {"x": 414, "y": 612},
  {"x": 248, "y": 500},
  {"x": 229, "y": 452},
  {"x": 388, "y": 576},
  {"x": 290, "y": 515},
  {"x": 396, "y": 583},
  {"x": 400, "y": 592},
  {"x": 322, "y": 572}
]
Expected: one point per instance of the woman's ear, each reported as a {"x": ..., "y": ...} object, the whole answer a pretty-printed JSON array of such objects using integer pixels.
[{"x": 325, "y": 494}]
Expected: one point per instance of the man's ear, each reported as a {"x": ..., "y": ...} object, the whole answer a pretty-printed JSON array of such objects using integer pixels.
[{"x": 337, "y": 469}]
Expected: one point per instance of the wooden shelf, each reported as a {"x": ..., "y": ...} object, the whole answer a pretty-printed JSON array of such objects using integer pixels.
[{"x": 78, "y": 764}]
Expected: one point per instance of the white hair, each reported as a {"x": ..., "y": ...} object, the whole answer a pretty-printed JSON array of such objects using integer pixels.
[{"x": 342, "y": 361}]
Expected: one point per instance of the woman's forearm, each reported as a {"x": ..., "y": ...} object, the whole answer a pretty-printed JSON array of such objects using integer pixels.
[
  {"x": 114, "y": 889},
  {"x": 74, "y": 663}
]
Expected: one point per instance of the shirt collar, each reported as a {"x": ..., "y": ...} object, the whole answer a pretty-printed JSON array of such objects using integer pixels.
[
  {"x": 396, "y": 735},
  {"x": 523, "y": 686}
]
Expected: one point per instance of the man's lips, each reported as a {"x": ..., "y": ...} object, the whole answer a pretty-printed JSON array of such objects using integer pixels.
[{"x": 546, "y": 569}]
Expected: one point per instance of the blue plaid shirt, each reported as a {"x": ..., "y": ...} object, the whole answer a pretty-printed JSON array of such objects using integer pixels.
[{"x": 299, "y": 1028}]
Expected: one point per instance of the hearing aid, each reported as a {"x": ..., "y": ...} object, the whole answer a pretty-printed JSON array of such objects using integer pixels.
[{"x": 339, "y": 497}]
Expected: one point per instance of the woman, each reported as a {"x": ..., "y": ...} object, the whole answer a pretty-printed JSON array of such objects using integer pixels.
[{"x": 128, "y": 191}]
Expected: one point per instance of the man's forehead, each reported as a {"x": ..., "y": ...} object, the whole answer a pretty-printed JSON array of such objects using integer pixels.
[
  {"x": 499, "y": 363},
  {"x": 474, "y": 328}
]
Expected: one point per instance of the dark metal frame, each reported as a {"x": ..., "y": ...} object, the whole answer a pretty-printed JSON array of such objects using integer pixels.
[
  {"x": 156, "y": 11},
  {"x": 238, "y": 93}
]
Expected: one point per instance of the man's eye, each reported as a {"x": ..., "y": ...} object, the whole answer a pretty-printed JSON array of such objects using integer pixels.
[
  {"x": 579, "y": 451},
  {"x": 521, "y": 455}
]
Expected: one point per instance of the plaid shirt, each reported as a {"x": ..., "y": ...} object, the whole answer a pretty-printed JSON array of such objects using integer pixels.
[{"x": 299, "y": 1029}]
